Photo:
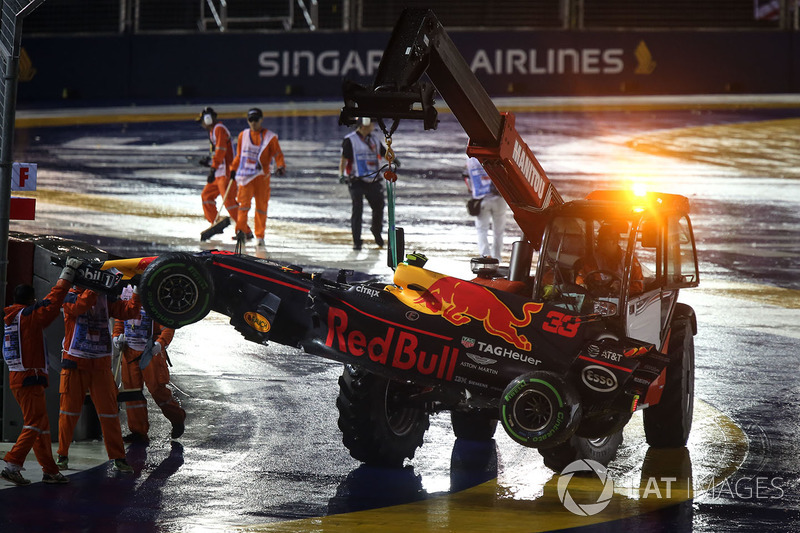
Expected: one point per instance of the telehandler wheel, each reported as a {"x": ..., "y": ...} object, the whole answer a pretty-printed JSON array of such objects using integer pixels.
[
  {"x": 595, "y": 426},
  {"x": 668, "y": 423},
  {"x": 378, "y": 425},
  {"x": 540, "y": 410},
  {"x": 477, "y": 425},
  {"x": 602, "y": 450},
  {"x": 177, "y": 290}
]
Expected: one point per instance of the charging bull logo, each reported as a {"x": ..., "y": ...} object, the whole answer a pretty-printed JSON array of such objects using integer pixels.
[{"x": 460, "y": 301}]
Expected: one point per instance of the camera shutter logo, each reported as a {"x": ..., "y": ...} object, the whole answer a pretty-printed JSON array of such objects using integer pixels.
[{"x": 585, "y": 509}]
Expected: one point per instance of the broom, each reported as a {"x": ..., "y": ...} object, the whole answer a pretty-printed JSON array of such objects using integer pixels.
[{"x": 219, "y": 225}]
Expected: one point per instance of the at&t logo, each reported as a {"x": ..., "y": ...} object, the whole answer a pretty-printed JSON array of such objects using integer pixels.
[{"x": 585, "y": 509}]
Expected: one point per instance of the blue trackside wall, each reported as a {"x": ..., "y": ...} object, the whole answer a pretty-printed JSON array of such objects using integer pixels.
[{"x": 509, "y": 63}]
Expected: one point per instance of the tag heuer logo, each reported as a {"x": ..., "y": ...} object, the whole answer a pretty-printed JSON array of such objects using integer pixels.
[{"x": 467, "y": 342}]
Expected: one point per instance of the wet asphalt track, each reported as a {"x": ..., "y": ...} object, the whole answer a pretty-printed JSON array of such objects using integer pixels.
[{"x": 262, "y": 450}]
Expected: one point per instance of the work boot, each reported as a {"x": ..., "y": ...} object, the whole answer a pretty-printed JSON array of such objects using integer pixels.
[
  {"x": 135, "y": 437},
  {"x": 62, "y": 462},
  {"x": 242, "y": 236},
  {"x": 121, "y": 465},
  {"x": 379, "y": 240},
  {"x": 177, "y": 429},
  {"x": 55, "y": 479},
  {"x": 14, "y": 477}
]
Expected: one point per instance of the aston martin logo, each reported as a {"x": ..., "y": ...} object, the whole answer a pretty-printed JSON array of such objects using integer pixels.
[
  {"x": 644, "y": 59},
  {"x": 480, "y": 360}
]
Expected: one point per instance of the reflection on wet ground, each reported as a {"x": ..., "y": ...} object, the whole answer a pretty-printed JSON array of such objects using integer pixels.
[
  {"x": 141, "y": 183},
  {"x": 763, "y": 148},
  {"x": 263, "y": 447}
]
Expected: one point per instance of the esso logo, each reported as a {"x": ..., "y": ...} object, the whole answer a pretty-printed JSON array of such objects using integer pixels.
[{"x": 598, "y": 378}]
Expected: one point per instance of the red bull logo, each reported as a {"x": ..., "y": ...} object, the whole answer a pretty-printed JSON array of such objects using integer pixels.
[
  {"x": 634, "y": 352},
  {"x": 396, "y": 348},
  {"x": 460, "y": 302},
  {"x": 143, "y": 263}
]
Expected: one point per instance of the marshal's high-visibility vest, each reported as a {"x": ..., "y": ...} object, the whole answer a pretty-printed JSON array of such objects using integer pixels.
[
  {"x": 366, "y": 156},
  {"x": 250, "y": 164}
]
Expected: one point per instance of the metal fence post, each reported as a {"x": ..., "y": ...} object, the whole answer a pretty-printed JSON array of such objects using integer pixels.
[{"x": 13, "y": 11}]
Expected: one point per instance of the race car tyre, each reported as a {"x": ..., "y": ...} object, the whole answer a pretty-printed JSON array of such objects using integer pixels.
[
  {"x": 378, "y": 426},
  {"x": 475, "y": 425},
  {"x": 177, "y": 290},
  {"x": 540, "y": 410},
  {"x": 602, "y": 450},
  {"x": 668, "y": 423}
]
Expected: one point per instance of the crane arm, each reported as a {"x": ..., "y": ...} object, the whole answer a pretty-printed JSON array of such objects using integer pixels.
[{"x": 420, "y": 45}]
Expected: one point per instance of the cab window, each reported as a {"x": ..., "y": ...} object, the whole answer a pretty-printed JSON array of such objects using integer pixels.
[
  {"x": 646, "y": 251},
  {"x": 681, "y": 264}
]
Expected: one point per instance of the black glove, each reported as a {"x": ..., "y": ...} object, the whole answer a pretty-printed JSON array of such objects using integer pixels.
[
  {"x": 205, "y": 161},
  {"x": 344, "y": 179},
  {"x": 211, "y": 175},
  {"x": 233, "y": 174},
  {"x": 280, "y": 171}
]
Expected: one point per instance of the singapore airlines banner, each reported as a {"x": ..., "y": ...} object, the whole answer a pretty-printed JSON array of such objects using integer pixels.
[{"x": 313, "y": 65}]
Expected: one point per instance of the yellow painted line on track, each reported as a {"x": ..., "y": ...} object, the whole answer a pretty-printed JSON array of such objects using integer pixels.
[
  {"x": 764, "y": 148},
  {"x": 637, "y": 106},
  {"x": 644, "y": 480},
  {"x": 89, "y": 116},
  {"x": 102, "y": 203},
  {"x": 765, "y": 294},
  {"x": 133, "y": 116}
]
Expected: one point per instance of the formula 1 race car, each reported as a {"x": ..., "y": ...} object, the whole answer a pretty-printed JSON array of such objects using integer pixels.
[{"x": 561, "y": 365}]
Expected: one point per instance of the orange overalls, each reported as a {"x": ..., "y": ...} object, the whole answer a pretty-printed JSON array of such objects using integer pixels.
[
  {"x": 28, "y": 376},
  {"x": 222, "y": 149},
  {"x": 155, "y": 375},
  {"x": 254, "y": 153},
  {"x": 86, "y": 365}
]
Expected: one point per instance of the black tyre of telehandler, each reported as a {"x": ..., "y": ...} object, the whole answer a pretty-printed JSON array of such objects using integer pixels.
[
  {"x": 603, "y": 450},
  {"x": 378, "y": 426},
  {"x": 596, "y": 426},
  {"x": 476, "y": 425},
  {"x": 177, "y": 290},
  {"x": 668, "y": 423}
]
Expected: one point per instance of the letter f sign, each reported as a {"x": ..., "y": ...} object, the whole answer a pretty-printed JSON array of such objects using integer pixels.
[{"x": 23, "y": 177}]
